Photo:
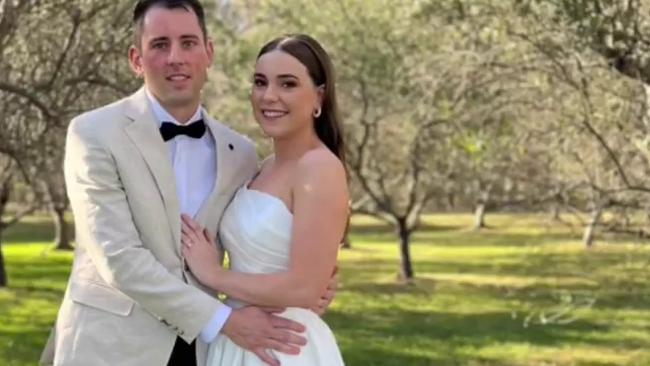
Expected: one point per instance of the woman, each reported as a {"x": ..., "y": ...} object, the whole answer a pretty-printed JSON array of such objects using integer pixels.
[{"x": 283, "y": 228}]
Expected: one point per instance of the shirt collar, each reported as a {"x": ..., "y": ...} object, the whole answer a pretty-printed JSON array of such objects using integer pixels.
[{"x": 163, "y": 116}]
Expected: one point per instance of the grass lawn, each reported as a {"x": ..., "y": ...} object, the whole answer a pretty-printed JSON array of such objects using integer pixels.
[{"x": 523, "y": 292}]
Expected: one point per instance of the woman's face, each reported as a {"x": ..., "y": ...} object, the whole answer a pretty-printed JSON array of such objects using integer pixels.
[{"x": 284, "y": 96}]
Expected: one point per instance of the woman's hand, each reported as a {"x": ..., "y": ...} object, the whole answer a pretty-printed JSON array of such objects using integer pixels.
[
  {"x": 328, "y": 296},
  {"x": 200, "y": 251}
]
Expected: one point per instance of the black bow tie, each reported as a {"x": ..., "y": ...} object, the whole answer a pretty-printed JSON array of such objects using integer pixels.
[{"x": 170, "y": 130}]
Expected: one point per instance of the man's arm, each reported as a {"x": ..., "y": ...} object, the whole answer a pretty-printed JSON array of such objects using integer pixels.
[{"x": 106, "y": 230}]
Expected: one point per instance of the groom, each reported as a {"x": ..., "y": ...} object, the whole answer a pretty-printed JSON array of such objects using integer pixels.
[{"x": 132, "y": 168}]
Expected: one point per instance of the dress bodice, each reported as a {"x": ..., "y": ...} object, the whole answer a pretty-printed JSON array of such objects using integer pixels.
[{"x": 256, "y": 232}]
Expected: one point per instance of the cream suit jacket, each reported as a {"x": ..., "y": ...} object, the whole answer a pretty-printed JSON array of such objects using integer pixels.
[{"x": 129, "y": 295}]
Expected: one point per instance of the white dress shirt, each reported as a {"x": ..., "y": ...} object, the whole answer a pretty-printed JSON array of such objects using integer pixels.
[{"x": 195, "y": 168}]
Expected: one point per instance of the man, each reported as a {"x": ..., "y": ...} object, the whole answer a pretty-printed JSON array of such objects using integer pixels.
[{"x": 132, "y": 168}]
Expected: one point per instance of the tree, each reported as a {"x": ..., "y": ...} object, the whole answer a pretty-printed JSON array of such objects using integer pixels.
[
  {"x": 8, "y": 176},
  {"x": 400, "y": 117},
  {"x": 58, "y": 60},
  {"x": 597, "y": 108}
]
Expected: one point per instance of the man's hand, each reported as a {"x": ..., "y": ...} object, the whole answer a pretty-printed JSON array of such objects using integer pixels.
[
  {"x": 257, "y": 330},
  {"x": 328, "y": 296}
]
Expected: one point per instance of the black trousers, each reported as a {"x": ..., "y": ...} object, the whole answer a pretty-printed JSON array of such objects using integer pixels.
[{"x": 183, "y": 354}]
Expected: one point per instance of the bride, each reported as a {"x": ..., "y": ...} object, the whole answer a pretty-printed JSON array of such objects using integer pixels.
[{"x": 283, "y": 227}]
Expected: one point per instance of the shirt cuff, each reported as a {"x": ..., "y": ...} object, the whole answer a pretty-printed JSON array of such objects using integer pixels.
[{"x": 210, "y": 331}]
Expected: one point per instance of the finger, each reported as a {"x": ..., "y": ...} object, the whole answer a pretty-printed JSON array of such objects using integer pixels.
[
  {"x": 185, "y": 223},
  {"x": 264, "y": 356},
  {"x": 272, "y": 310},
  {"x": 318, "y": 310},
  {"x": 188, "y": 240},
  {"x": 320, "y": 307},
  {"x": 186, "y": 251},
  {"x": 187, "y": 243},
  {"x": 333, "y": 283},
  {"x": 190, "y": 233},
  {"x": 286, "y": 324},
  {"x": 187, "y": 233},
  {"x": 281, "y": 346},
  {"x": 329, "y": 295},
  {"x": 209, "y": 237},
  {"x": 186, "y": 227},
  {"x": 193, "y": 224},
  {"x": 288, "y": 338}
]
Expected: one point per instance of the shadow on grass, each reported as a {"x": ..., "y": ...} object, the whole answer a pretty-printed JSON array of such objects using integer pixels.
[
  {"x": 22, "y": 347},
  {"x": 457, "y": 239},
  {"x": 381, "y": 228},
  {"x": 390, "y": 332},
  {"x": 367, "y": 354},
  {"x": 29, "y": 232},
  {"x": 616, "y": 280}
]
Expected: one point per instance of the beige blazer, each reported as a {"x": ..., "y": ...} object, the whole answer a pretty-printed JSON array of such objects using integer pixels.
[{"x": 129, "y": 295}]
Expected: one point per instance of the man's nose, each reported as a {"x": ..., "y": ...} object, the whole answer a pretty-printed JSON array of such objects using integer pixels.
[{"x": 176, "y": 54}]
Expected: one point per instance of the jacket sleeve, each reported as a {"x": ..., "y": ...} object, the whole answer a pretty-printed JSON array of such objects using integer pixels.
[{"x": 106, "y": 231}]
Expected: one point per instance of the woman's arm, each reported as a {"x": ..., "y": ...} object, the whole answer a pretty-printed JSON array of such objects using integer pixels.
[{"x": 320, "y": 214}]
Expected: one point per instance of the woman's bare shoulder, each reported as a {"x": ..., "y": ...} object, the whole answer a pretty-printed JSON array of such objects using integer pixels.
[{"x": 320, "y": 166}]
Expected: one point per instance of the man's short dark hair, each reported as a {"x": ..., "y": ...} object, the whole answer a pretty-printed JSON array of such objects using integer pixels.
[{"x": 142, "y": 6}]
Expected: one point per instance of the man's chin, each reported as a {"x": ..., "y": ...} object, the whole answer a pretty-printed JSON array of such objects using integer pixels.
[{"x": 180, "y": 101}]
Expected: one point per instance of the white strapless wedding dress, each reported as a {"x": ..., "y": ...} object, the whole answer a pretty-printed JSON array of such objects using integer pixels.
[{"x": 256, "y": 232}]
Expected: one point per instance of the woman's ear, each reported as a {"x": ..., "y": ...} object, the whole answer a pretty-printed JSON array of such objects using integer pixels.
[{"x": 320, "y": 91}]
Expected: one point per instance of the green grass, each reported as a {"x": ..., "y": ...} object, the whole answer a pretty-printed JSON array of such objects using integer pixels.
[{"x": 523, "y": 292}]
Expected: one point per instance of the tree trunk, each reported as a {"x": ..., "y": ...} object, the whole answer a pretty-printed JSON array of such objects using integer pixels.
[
  {"x": 3, "y": 273},
  {"x": 346, "y": 236},
  {"x": 62, "y": 232},
  {"x": 479, "y": 216},
  {"x": 405, "y": 241},
  {"x": 5, "y": 191},
  {"x": 346, "y": 242},
  {"x": 555, "y": 212},
  {"x": 481, "y": 208},
  {"x": 588, "y": 237}
]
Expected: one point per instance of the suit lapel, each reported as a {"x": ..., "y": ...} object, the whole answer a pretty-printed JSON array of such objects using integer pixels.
[
  {"x": 225, "y": 161},
  {"x": 144, "y": 133}
]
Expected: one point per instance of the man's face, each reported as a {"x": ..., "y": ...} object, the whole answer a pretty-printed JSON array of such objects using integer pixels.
[{"x": 173, "y": 57}]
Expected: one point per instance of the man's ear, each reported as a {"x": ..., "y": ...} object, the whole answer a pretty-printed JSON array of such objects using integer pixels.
[
  {"x": 209, "y": 46},
  {"x": 135, "y": 60}
]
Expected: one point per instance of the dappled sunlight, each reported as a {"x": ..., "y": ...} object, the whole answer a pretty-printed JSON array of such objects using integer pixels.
[
  {"x": 514, "y": 282},
  {"x": 499, "y": 297},
  {"x": 541, "y": 356}
]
